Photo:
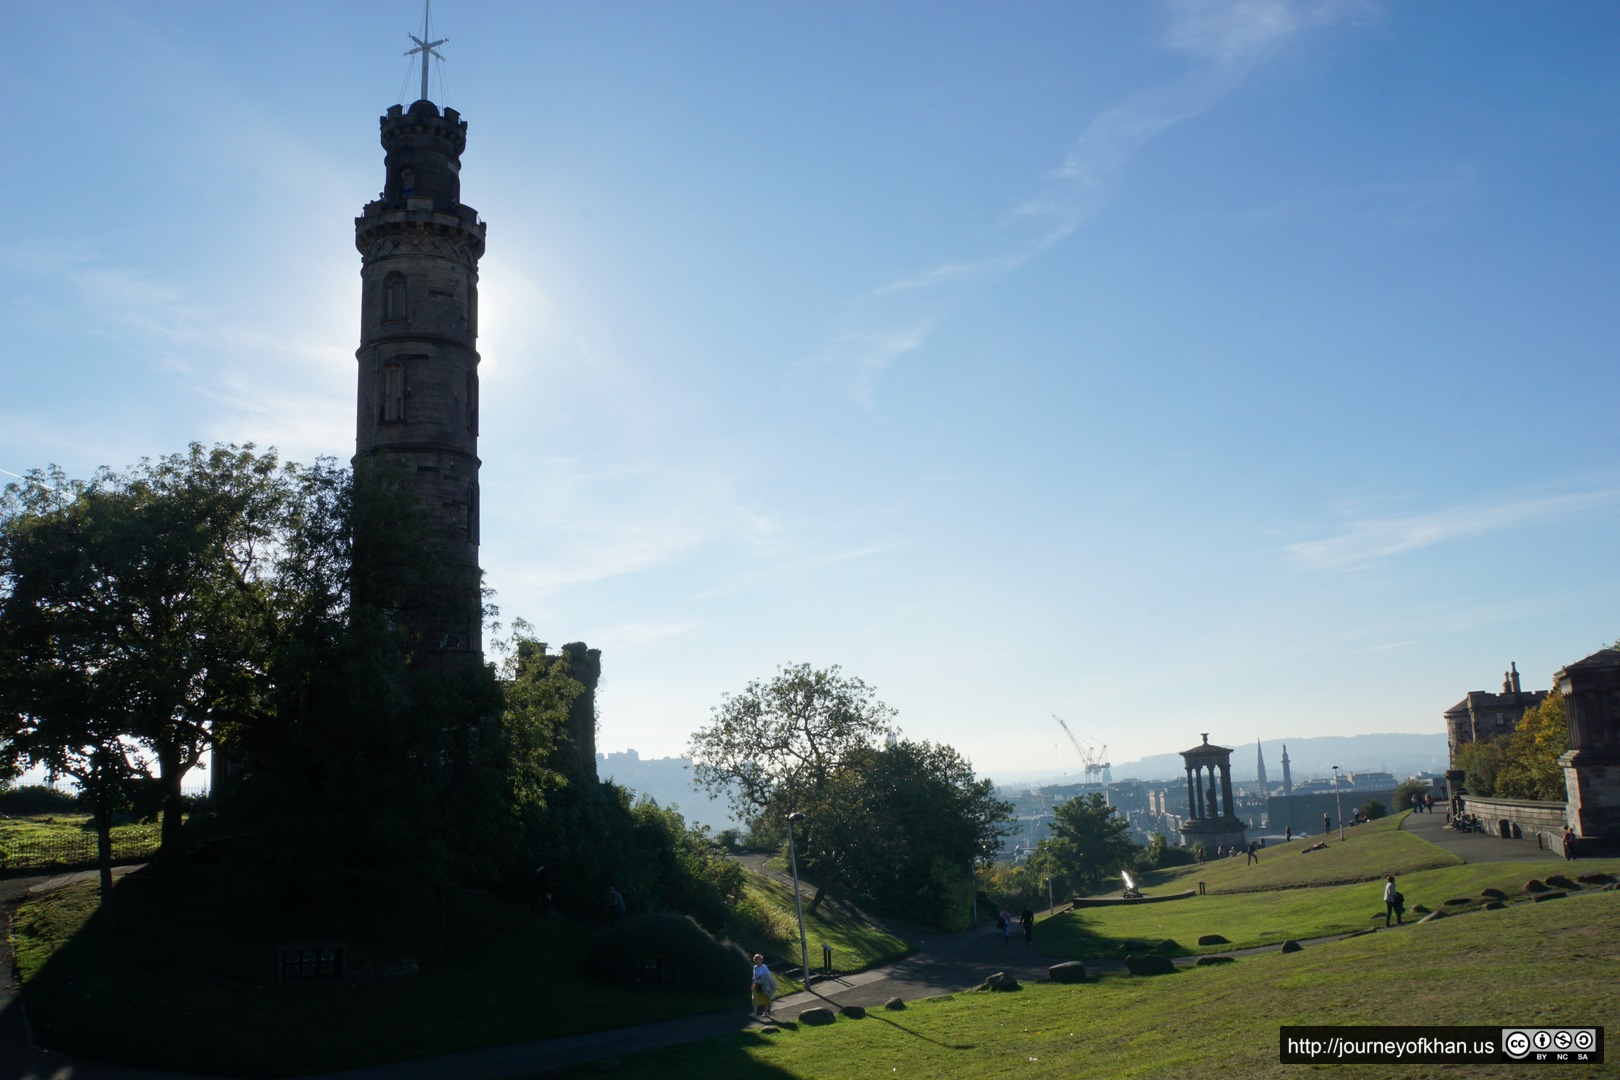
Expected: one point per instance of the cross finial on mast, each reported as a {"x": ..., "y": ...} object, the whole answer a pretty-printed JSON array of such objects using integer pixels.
[{"x": 425, "y": 47}]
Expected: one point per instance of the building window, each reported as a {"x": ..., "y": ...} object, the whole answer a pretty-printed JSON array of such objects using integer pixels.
[
  {"x": 394, "y": 296},
  {"x": 393, "y": 393}
]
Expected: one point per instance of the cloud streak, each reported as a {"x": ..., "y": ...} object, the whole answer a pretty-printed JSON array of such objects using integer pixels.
[
  {"x": 1227, "y": 41},
  {"x": 1362, "y": 543}
]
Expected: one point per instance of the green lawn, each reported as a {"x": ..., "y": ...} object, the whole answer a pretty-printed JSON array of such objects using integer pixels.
[
  {"x": 1270, "y": 917},
  {"x": 856, "y": 945},
  {"x": 1531, "y": 964},
  {"x": 126, "y": 994},
  {"x": 1367, "y": 853},
  {"x": 69, "y": 840},
  {"x": 182, "y": 983}
]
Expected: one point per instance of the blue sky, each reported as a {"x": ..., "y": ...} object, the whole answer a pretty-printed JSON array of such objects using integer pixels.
[{"x": 1170, "y": 367}]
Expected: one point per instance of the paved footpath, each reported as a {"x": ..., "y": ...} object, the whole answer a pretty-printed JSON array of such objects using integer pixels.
[
  {"x": 943, "y": 963},
  {"x": 1475, "y": 847}
]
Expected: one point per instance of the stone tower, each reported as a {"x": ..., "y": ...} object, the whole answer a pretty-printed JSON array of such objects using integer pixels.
[
  {"x": 1288, "y": 777},
  {"x": 417, "y": 401}
]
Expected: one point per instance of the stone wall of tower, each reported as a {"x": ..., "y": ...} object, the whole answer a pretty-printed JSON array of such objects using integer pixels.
[{"x": 417, "y": 378}]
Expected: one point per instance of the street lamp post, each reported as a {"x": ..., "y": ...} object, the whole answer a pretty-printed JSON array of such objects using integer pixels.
[
  {"x": 1337, "y": 805},
  {"x": 798, "y": 901}
]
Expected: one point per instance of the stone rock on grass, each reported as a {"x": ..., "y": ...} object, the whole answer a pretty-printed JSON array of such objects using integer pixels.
[
  {"x": 817, "y": 1017},
  {"x": 1534, "y": 886},
  {"x": 1000, "y": 981},
  {"x": 1459, "y": 901},
  {"x": 1211, "y": 961},
  {"x": 1149, "y": 964},
  {"x": 1291, "y": 946},
  {"x": 1168, "y": 945},
  {"x": 1595, "y": 879},
  {"x": 1212, "y": 939},
  {"x": 1070, "y": 971},
  {"x": 1432, "y": 916},
  {"x": 854, "y": 1012},
  {"x": 1419, "y": 909},
  {"x": 1493, "y": 894},
  {"x": 1540, "y": 896},
  {"x": 894, "y": 1004},
  {"x": 1559, "y": 881},
  {"x": 1131, "y": 945},
  {"x": 1493, "y": 905}
]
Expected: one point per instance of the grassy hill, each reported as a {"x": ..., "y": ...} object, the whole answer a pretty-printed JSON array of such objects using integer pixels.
[
  {"x": 1547, "y": 963},
  {"x": 182, "y": 982}
]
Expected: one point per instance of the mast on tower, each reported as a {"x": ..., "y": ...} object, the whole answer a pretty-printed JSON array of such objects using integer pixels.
[{"x": 425, "y": 47}]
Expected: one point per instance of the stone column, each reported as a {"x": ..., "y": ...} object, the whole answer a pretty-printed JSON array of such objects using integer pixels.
[
  {"x": 1226, "y": 789},
  {"x": 1192, "y": 798}
]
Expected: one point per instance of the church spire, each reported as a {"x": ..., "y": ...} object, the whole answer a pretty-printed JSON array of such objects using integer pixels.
[{"x": 1260, "y": 766}]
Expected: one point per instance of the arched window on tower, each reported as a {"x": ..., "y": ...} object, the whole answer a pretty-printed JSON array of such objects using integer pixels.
[
  {"x": 393, "y": 393},
  {"x": 394, "y": 296}
]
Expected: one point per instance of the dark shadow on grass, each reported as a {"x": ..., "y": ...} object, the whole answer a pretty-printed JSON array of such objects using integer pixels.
[{"x": 919, "y": 1035}]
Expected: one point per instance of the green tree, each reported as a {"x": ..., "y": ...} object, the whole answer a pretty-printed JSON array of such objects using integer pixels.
[
  {"x": 62, "y": 706},
  {"x": 1407, "y": 790},
  {"x": 777, "y": 746},
  {"x": 908, "y": 823},
  {"x": 1530, "y": 768},
  {"x": 1088, "y": 841},
  {"x": 159, "y": 582},
  {"x": 1480, "y": 763},
  {"x": 1372, "y": 810}
]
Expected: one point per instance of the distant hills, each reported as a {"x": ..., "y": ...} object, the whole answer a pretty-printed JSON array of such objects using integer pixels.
[
  {"x": 1312, "y": 756},
  {"x": 668, "y": 782}
]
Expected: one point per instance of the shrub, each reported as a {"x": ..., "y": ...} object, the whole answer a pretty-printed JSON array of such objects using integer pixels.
[
  {"x": 1372, "y": 810},
  {"x": 36, "y": 799},
  {"x": 698, "y": 960}
]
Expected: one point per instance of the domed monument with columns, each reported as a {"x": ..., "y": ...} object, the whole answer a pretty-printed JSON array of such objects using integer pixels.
[{"x": 1210, "y": 818}]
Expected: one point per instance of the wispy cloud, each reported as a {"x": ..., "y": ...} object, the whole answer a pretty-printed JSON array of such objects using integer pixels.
[
  {"x": 290, "y": 391},
  {"x": 1226, "y": 41},
  {"x": 1362, "y": 542}
]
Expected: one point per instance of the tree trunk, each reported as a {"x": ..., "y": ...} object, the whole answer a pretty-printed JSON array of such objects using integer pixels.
[
  {"x": 821, "y": 890},
  {"x": 103, "y": 819},
  {"x": 172, "y": 845}
]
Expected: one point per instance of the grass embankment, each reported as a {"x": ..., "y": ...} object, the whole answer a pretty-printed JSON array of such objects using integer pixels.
[
  {"x": 1531, "y": 964},
  {"x": 1269, "y": 918},
  {"x": 182, "y": 982},
  {"x": 70, "y": 840},
  {"x": 856, "y": 945},
  {"x": 1367, "y": 853}
]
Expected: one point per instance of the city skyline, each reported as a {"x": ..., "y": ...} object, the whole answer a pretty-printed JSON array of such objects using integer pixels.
[{"x": 1168, "y": 368}]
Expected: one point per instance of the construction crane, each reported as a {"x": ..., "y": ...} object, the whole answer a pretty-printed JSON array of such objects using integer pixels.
[{"x": 1098, "y": 769}]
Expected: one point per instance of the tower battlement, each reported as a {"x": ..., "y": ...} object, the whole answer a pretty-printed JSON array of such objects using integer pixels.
[{"x": 424, "y": 118}]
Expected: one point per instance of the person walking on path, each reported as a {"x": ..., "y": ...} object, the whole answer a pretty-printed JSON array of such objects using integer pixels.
[
  {"x": 763, "y": 991},
  {"x": 1569, "y": 843},
  {"x": 1027, "y": 921},
  {"x": 1254, "y": 852},
  {"x": 1394, "y": 902},
  {"x": 1327, "y": 823},
  {"x": 1288, "y": 835}
]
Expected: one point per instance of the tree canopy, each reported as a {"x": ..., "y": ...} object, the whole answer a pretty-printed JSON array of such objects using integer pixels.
[{"x": 1088, "y": 841}]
